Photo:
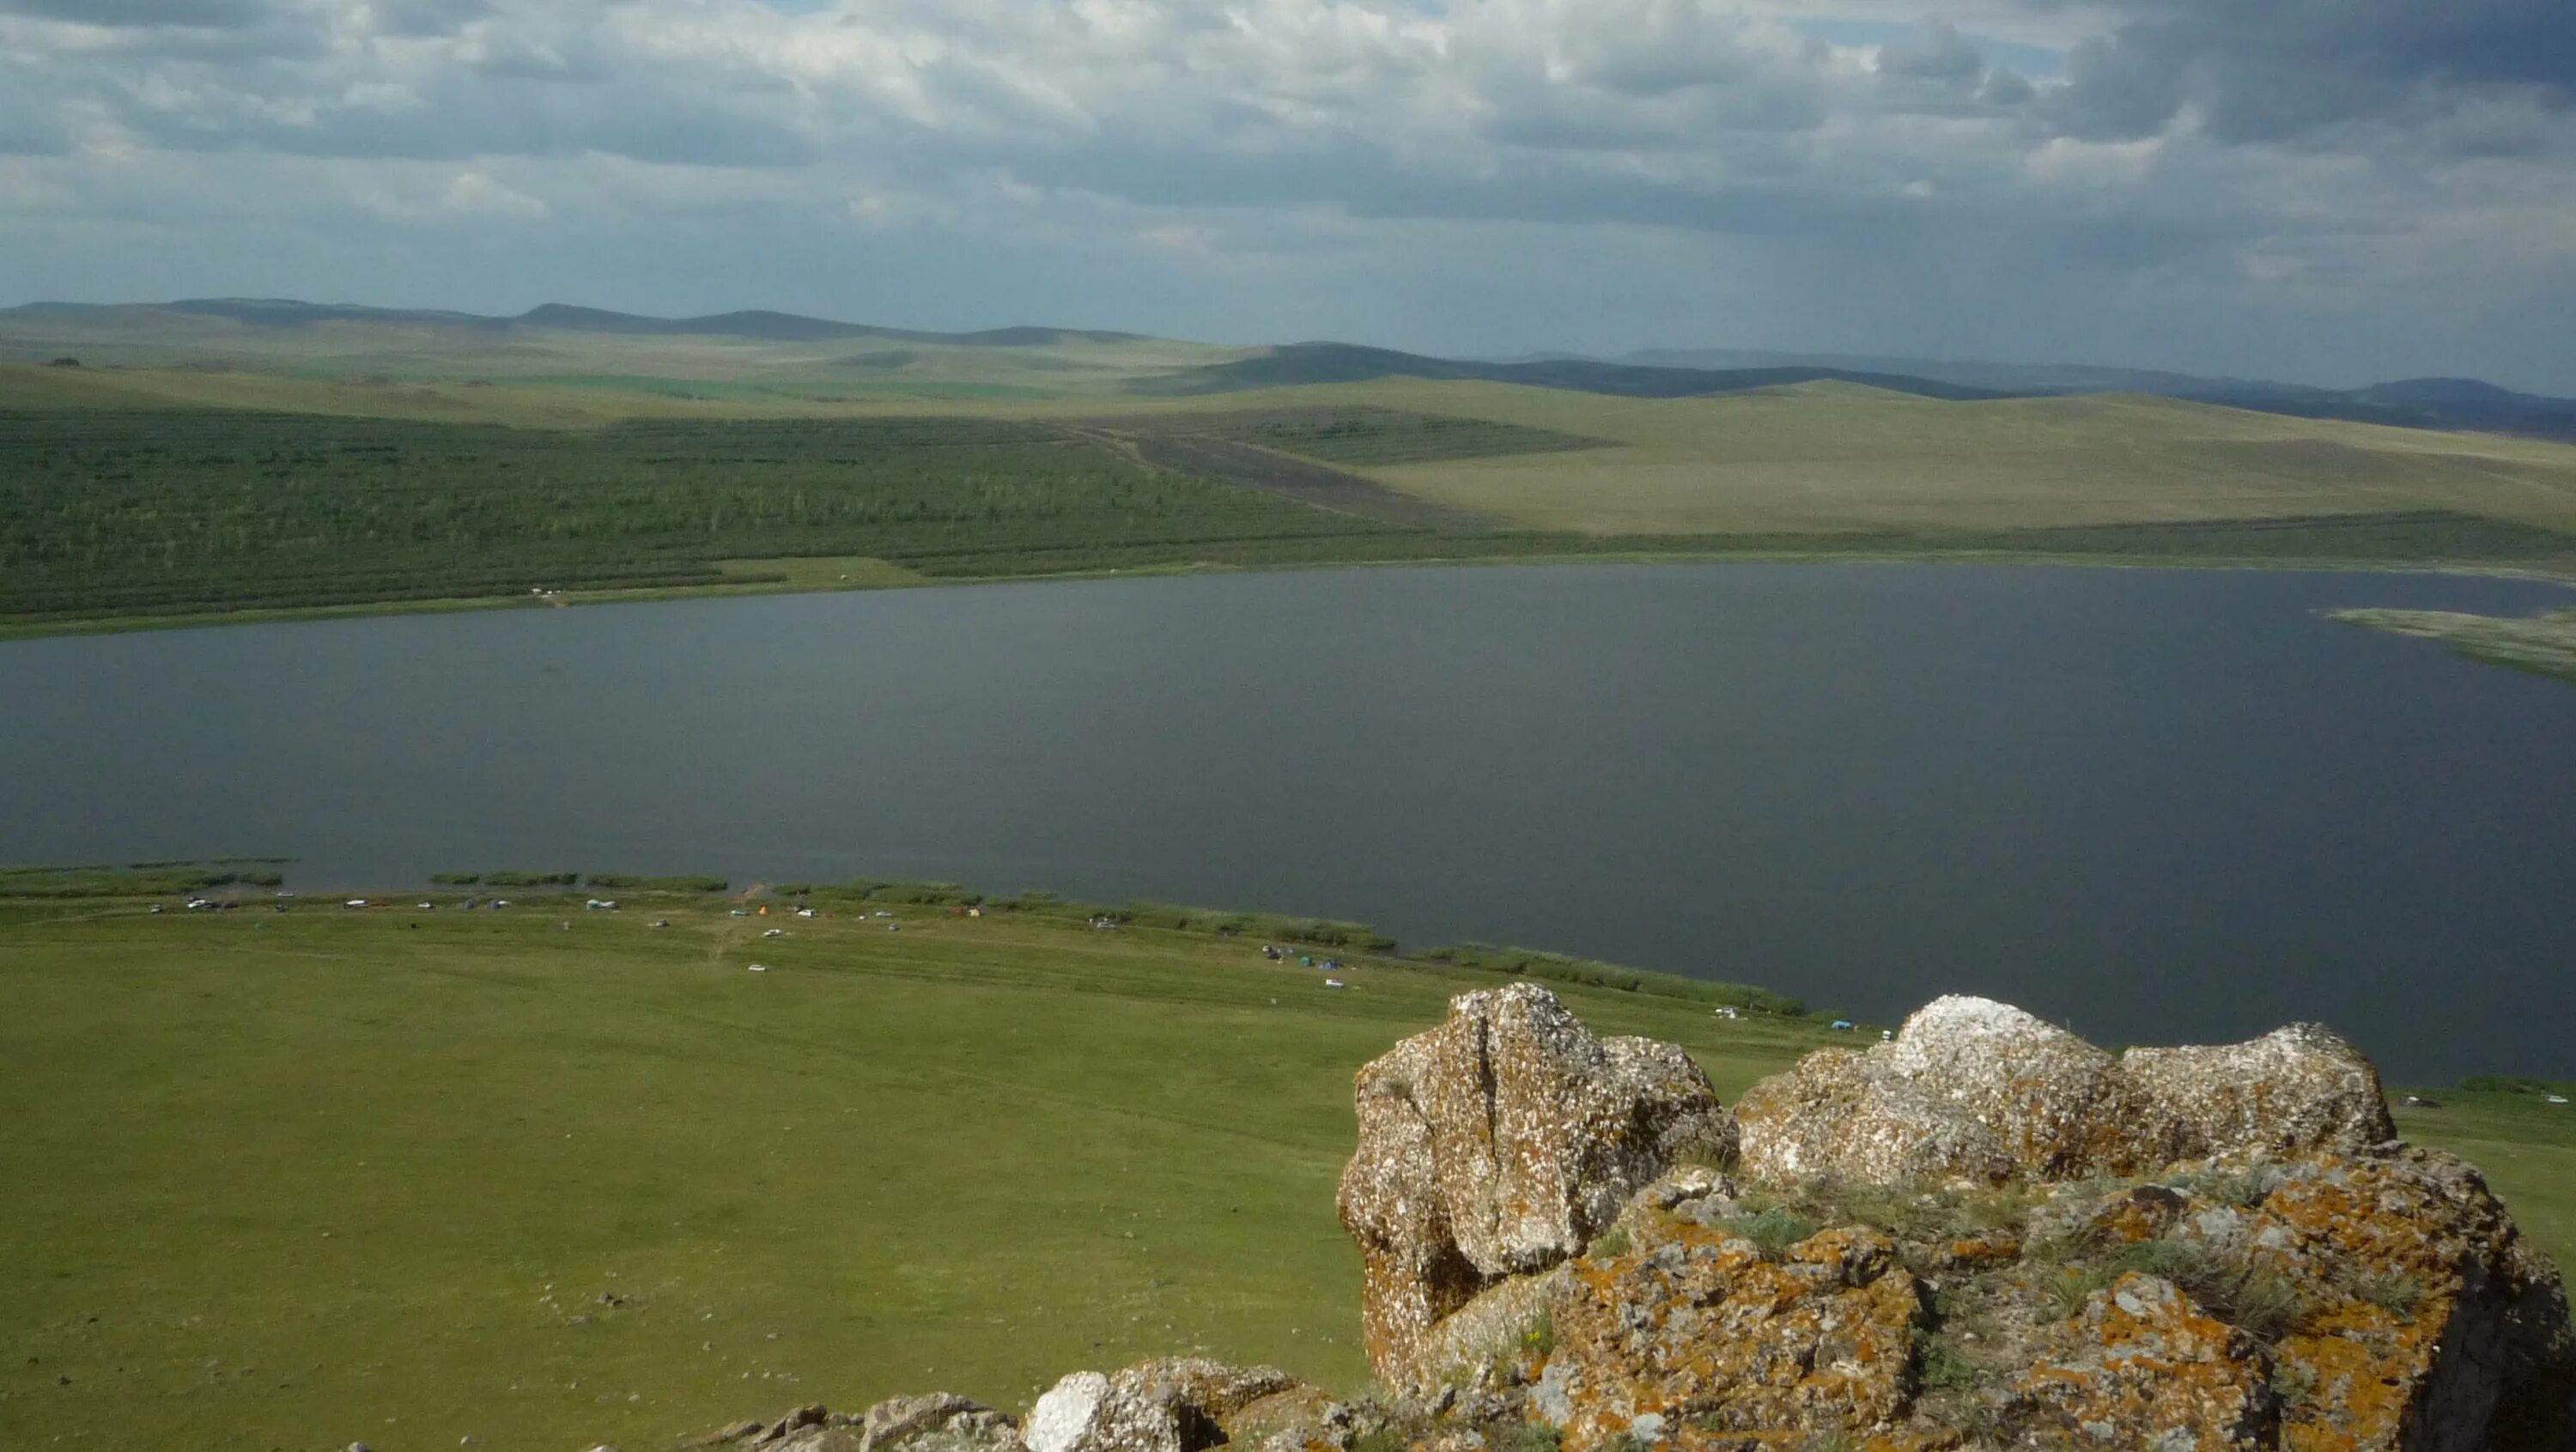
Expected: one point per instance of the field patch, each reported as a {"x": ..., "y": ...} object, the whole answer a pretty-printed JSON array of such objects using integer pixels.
[
  {"x": 1834, "y": 458},
  {"x": 1363, "y": 435}
]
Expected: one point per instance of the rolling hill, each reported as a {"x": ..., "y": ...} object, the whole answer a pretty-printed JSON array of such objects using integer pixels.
[
  {"x": 755, "y": 355},
  {"x": 2430, "y": 403}
]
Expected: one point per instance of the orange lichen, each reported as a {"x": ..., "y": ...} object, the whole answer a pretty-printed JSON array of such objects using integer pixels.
[{"x": 1698, "y": 1327}]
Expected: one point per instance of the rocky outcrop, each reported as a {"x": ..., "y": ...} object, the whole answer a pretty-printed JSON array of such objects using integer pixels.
[
  {"x": 1984, "y": 1234},
  {"x": 1497, "y": 1145},
  {"x": 1978, "y": 1090}
]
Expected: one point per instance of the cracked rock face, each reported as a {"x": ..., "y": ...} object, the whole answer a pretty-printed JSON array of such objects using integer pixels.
[
  {"x": 1978, "y": 1090},
  {"x": 1497, "y": 1145}
]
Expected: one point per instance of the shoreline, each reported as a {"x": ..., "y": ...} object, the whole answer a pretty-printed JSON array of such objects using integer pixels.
[
  {"x": 2541, "y": 645},
  {"x": 1298, "y": 934},
  {"x": 1333, "y": 944},
  {"x": 454, "y": 605}
]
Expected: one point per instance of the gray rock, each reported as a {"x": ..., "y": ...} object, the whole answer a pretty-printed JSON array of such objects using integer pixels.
[
  {"x": 940, "y": 1422},
  {"x": 1978, "y": 1090},
  {"x": 1086, "y": 1412},
  {"x": 1498, "y": 1144}
]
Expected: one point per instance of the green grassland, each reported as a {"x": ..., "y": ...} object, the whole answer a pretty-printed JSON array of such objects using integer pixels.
[
  {"x": 306, "y": 1178},
  {"x": 1829, "y": 457},
  {"x": 545, "y": 1176},
  {"x": 2541, "y": 644},
  {"x": 147, "y": 496},
  {"x": 422, "y": 356}
]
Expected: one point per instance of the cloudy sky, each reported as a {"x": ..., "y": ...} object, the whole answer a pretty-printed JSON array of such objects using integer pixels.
[{"x": 2327, "y": 190}]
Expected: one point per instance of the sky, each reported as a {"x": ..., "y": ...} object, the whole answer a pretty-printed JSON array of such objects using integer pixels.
[{"x": 2326, "y": 191}]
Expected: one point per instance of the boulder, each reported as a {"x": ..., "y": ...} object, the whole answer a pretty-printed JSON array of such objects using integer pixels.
[
  {"x": 1971, "y": 1089},
  {"x": 2299, "y": 1090},
  {"x": 1088, "y": 1412},
  {"x": 1498, "y": 1144}
]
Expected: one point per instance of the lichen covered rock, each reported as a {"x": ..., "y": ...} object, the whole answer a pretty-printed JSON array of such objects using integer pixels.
[
  {"x": 1978, "y": 1090},
  {"x": 1497, "y": 1145},
  {"x": 2141, "y": 1366},
  {"x": 1694, "y": 1326}
]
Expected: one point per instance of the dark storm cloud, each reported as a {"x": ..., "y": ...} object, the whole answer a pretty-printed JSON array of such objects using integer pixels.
[
  {"x": 207, "y": 14},
  {"x": 2282, "y": 69}
]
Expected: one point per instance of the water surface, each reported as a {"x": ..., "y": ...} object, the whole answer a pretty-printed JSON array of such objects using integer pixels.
[{"x": 2158, "y": 805}]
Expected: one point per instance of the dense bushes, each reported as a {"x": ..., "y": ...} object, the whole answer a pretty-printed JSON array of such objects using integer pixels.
[
  {"x": 1585, "y": 972},
  {"x": 142, "y": 879},
  {"x": 506, "y": 879}
]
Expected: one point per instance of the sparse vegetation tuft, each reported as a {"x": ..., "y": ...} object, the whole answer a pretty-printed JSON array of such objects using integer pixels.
[{"x": 627, "y": 882}]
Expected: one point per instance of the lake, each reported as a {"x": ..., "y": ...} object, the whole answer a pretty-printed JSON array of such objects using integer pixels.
[{"x": 2156, "y": 805}]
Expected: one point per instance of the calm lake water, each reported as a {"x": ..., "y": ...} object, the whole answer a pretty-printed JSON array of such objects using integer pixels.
[{"x": 2160, "y": 806}]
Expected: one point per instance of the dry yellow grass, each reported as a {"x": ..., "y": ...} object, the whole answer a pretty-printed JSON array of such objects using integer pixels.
[{"x": 1826, "y": 457}]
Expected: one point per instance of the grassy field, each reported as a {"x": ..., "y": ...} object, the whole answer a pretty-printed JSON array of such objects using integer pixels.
[
  {"x": 622, "y": 371},
  {"x": 546, "y": 1176},
  {"x": 1827, "y": 457},
  {"x": 299, "y": 1179}
]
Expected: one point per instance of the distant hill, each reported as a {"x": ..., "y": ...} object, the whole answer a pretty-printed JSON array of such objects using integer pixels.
[
  {"x": 553, "y": 317},
  {"x": 1304, "y": 363},
  {"x": 792, "y": 328},
  {"x": 2436, "y": 403}
]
